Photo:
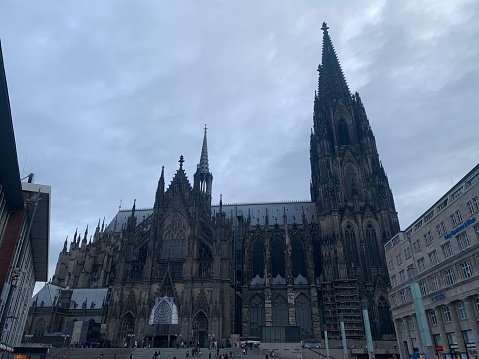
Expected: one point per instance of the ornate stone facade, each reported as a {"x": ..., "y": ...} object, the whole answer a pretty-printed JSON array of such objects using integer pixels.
[{"x": 189, "y": 271}]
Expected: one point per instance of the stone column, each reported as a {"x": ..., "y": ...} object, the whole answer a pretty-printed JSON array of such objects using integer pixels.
[
  {"x": 408, "y": 335},
  {"x": 461, "y": 346},
  {"x": 400, "y": 339},
  {"x": 442, "y": 330}
]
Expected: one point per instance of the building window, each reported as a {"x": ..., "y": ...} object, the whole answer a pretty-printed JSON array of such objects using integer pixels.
[
  {"x": 441, "y": 206},
  {"x": 447, "y": 250},
  {"x": 402, "y": 276},
  {"x": 434, "y": 283},
  {"x": 393, "y": 281},
  {"x": 441, "y": 228},
  {"x": 407, "y": 252},
  {"x": 457, "y": 193},
  {"x": 391, "y": 264},
  {"x": 403, "y": 297},
  {"x": 432, "y": 317},
  {"x": 429, "y": 238},
  {"x": 468, "y": 337},
  {"x": 475, "y": 201},
  {"x": 451, "y": 338},
  {"x": 428, "y": 216},
  {"x": 437, "y": 340},
  {"x": 456, "y": 218},
  {"x": 463, "y": 241},
  {"x": 446, "y": 314},
  {"x": 466, "y": 269},
  {"x": 461, "y": 307},
  {"x": 449, "y": 276},
  {"x": 476, "y": 230},
  {"x": 399, "y": 259},
  {"x": 394, "y": 300},
  {"x": 411, "y": 323},
  {"x": 423, "y": 288},
  {"x": 417, "y": 245},
  {"x": 421, "y": 265},
  {"x": 433, "y": 258},
  {"x": 470, "y": 207}
]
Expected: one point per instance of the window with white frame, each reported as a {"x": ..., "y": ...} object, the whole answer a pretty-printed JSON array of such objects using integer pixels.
[
  {"x": 394, "y": 281},
  {"x": 456, "y": 218},
  {"x": 399, "y": 259},
  {"x": 463, "y": 241},
  {"x": 434, "y": 283},
  {"x": 470, "y": 207},
  {"x": 466, "y": 269},
  {"x": 407, "y": 252},
  {"x": 461, "y": 307},
  {"x": 423, "y": 288},
  {"x": 446, "y": 314},
  {"x": 421, "y": 265},
  {"x": 417, "y": 245},
  {"x": 402, "y": 276},
  {"x": 449, "y": 276},
  {"x": 475, "y": 201},
  {"x": 433, "y": 258},
  {"x": 451, "y": 338},
  {"x": 391, "y": 264},
  {"x": 441, "y": 228},
  {"x": 432, "y": 317},
  {"x": 476, "y": 230},
  {"x": 429, "y": 238},
  {"x": 447, "y": 250}
]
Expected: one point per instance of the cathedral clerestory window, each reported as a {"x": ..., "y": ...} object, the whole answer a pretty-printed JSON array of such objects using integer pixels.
[{"x": 343, "y": 133}]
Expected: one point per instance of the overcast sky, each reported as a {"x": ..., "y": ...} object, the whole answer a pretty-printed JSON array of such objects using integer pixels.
[{"x": 105, "y": 93}]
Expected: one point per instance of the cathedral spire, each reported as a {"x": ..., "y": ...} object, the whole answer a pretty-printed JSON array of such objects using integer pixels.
[
  {"x": 331, "y": 83},
  {"x": 203, "y": 166}
]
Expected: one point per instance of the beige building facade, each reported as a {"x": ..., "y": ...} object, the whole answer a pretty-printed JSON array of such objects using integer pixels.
[{"x": 438, "y": 255}]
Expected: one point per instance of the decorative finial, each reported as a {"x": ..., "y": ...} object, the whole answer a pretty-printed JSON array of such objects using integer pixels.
[
  {"x": 325, "y": 27},
  {"x": 181, "y": 161},
  {"x": 205, "y": 128}
]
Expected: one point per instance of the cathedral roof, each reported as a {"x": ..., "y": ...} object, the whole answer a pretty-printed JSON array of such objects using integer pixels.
[
  {"x": 257, "y": 211},
  {"x": 273, "y": 210},
  {"x": 46, "y": 296},
  {"x": 88, "y": 296}
]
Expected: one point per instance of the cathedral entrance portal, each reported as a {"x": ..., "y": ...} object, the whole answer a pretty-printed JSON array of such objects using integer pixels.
[{"x": 200, "y": 330}]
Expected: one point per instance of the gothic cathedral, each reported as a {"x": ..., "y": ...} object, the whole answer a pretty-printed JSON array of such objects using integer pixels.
[{"x": 187, "y": 270}]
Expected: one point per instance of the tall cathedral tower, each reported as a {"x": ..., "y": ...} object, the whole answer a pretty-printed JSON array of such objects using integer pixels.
[{"x": 354, "y": 203}]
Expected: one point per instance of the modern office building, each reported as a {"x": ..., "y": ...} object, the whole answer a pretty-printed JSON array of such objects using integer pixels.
[
  {"x": 24, "y": 232},
  {"x": 436, "y": 261}
]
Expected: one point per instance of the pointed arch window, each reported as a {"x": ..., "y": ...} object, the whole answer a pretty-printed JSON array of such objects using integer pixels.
[
  {"x": 385, "y": 320},
  {"x": 257, "y": 259},
  {"x": 343, "y": 133},
  {"x": 174, "y": 239},
  {"x": 280, "y": 310},
  {"x": 371, "y": 242},
  {"x": 298, "y": 259},
  {"x": 350, "y": 246},
  {"x": 303, "y": 316},
  {"x": 256, "y": 314},
  {"x": 127, "y": 326},
  {"x": 278, "y": 263},
  {"x": 205, "y": 261}
]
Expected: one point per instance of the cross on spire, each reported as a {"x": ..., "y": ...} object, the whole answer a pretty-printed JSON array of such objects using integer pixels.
[
  {"x": 181, "y": 160},
  {"x": 325, "y": 27},
  {"x": 205, "y": 128}
]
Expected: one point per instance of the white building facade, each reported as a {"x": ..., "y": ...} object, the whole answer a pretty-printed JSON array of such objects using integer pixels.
[{"x": 438, "y": 255}]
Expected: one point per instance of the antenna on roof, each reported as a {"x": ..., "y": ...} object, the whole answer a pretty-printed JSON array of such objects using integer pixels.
[{"x": 452, "y": 182}]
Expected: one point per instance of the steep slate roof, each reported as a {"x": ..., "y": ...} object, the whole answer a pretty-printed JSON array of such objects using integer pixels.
[
  {"x": 46, "y": 295},
  {"x": 293, "y": 210},
  {"x": 90, "y": 295}
]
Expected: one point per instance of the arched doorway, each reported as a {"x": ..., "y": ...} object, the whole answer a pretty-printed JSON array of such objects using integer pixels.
[{"x": 200, "y": 330}]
